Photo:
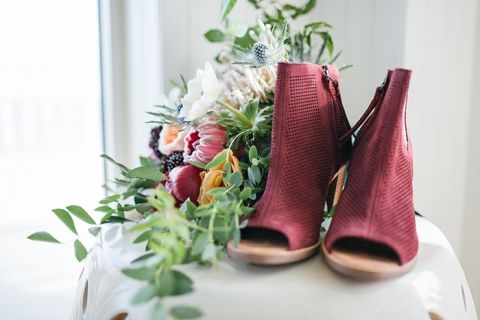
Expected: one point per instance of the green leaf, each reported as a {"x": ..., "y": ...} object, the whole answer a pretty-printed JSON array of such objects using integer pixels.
[
  {"x": 183, "y": 283},
  {"x": 236, "y": 237},
  {"x": 199, "y": 243},
  {"x": 218, "y": 194},
  {"x": 345, "y": 67},
  {"x": 303, "y": 10},
  {"x": 250, "y": 110},
  {"x": 215, "y": 35},
  {"x": 145, "y": 294},
  {"x": 80, "y": 250},
  {"x": 107, "y": 216},
  {"x": 217, "y": 160},
  {"x": 185, "y": 312},
  {"x": 265, "y": 161},
  {"x": 122, "y": 167},
  {"x": 143, "y": 207},
  {"x": 227, "y": 6},
  {"x": 189, "y": 208},
  {"x": 252, "y": 153},
  {"x": 245, "y": 194},
  {"x": 251, "y": 176},
  {"x": 245, "y": 42},
  {"x": 256, "y": 174},
  {"x": 43, "y": 236},
  {"x": 238, "y": 29},
  {"x": 146, "y": 162},
  {"x": 318, "y": 25},
  {"x": 144, "y": 273},
  {"x": 109, "y": 199},
  {"x": 142, "y": 184},
  {"x": 144, "y": 257},
  {"x": 81, "y": 214},
  {"x": 143, "y": 237},
  {"x": 94, "y": 230},
  {"x": 147, "y": 173},
  {"x": 114, "y": 219},
  {"x": 184, "y": 83},
  {"x": 65, "y": 217},
  {"x": 210, "y": 252},
  {"x": 159, "y": 312},
  {"x": 105, "y": 209},
  {"x": 227, "y": 168},
  {"x": 128, "y": 207},
  {"x": 237, "y": 179},
  {"x": 220, "y": 228},
  {"x": 166, "y": 284},
  {"x": 198, "y": 164}
]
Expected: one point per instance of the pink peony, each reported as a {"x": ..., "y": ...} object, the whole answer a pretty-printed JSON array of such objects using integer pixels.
[{"x": 211, "y": 140}]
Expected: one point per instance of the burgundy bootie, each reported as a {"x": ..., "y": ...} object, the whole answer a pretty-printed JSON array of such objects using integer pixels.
[
  {"x": 373, "y": 232},
  {"x": 305, "y": 156}
]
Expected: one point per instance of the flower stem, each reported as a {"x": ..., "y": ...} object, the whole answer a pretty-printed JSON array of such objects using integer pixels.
[
  {"x": 211, "y": 225},
  {"x": 237, "y": 137},
  {"x": 237, "y": 113}
]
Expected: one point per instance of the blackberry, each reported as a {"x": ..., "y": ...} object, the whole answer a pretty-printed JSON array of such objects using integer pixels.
[
  {"x": 260, "y": 54},
  {"x": 153, "y": 143},
  {"x": 175, "y": 159}
]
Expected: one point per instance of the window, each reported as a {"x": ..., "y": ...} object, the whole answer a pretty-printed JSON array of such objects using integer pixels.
[{"x": 50, "y": 142}]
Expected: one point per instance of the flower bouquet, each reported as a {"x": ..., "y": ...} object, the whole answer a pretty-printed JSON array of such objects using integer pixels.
[{"x": 209, "y": 156}]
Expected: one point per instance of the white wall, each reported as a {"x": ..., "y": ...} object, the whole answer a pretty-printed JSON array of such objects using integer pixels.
[
  {"x": 471, "y": 223},
  {"x": 440, "y": 48},
  {"x": 435, "y": 38}
]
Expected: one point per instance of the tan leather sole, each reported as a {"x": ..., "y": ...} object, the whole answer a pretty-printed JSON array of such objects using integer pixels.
[
  {"x": 364, "y": 266},
  {"x": 268, "y": 253},
  {"x": 272, "y": 252}
]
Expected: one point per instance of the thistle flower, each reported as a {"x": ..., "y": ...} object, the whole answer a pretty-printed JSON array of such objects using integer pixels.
[{"x": 268, "y": 49}]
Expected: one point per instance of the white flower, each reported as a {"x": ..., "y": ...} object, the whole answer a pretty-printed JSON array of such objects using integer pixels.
[{"x": 202, "y": 93}]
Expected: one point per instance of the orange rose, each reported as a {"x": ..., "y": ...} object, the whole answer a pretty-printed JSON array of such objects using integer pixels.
[{"x": 213, "y": 177}]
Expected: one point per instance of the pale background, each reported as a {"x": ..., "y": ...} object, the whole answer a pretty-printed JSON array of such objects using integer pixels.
[{"x": 50, "y": 119}]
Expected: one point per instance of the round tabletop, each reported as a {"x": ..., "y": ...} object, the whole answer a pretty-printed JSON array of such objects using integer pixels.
[{"x": 435, "y": 289}]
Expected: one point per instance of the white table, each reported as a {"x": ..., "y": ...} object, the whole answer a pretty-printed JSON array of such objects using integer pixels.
[{"x": 435, "y": 289}]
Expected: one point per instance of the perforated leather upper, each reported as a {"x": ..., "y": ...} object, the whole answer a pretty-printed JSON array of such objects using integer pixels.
[
  {"x": 304, "y": 156},
  {"x": 377, "y": 202}
]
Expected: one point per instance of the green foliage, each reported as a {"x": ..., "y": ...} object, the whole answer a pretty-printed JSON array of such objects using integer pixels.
[
  {"x": 227, "y": 6},
  {"x": 80, "y": 213},
  {"x": 166, "y": 114},
  {"x": 312, "y": 42},
  {"x": 80, "y": 250},
  {"x": 65, "y": 217},
  {"x": 185, "y": 312},
  {"x": 215, "y": 35},
  {"x": 252, "y": 122},
  {"x": 43, "y": 236},
  {"x": 94, "y": 231},
  {"x": 147, "y": 173}
]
